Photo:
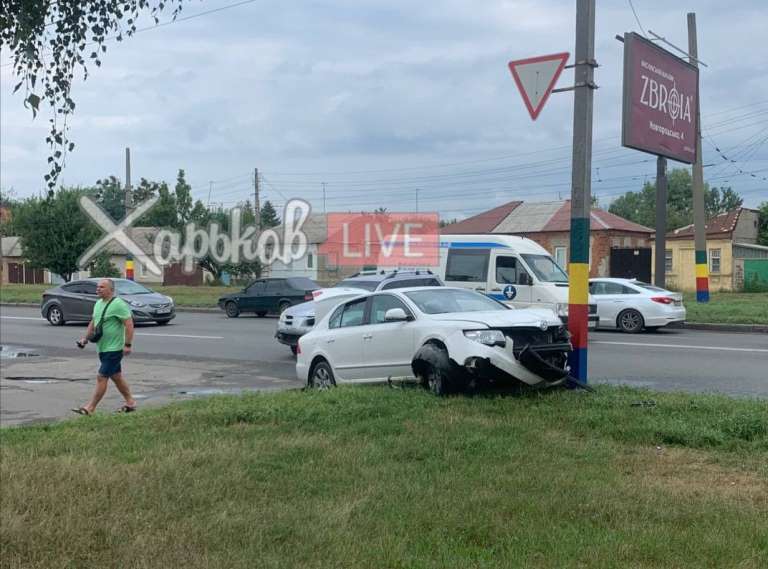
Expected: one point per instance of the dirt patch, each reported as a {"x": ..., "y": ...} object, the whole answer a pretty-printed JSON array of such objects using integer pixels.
[{"x": 693, "y": 474}]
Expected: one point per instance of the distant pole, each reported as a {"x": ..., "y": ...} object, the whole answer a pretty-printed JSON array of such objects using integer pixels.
[
  {"x": 210, "y": 191},
  {"x": 256, "y": 204},
  {"x": 581, "y": 202},
  {"x": 323, "y": 185},
  {"x": 128, "y": 209},
  {"x": 660, "y": 268},
  {"x": 699, "y": 214}
]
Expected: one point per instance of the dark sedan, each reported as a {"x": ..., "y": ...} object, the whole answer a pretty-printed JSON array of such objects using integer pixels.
[
  {"x": 73, "y": 302},
  {"x": 268, "y": 296}
]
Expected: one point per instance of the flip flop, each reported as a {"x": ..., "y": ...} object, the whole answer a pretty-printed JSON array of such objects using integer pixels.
[
  {"x": 82, "y": 411},
  {"x": 126, "y": 409}
]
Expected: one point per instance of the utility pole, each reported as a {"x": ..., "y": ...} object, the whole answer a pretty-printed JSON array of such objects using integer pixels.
[
  {"x": 699, "y": 214},
  {"x": 128, "y": 210},
  {"x": 323, "y": 185},
  {"x": 210, "y": 191},
  {"x": 660, "y": 245},
  {"x": 581, "y": 201},
  {"x": 256, "y": 204}
]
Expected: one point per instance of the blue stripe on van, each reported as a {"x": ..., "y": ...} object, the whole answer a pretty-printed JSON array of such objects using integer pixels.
[
  {"x": 495, "y": 296},
  {"x": 467, "y": 245}
]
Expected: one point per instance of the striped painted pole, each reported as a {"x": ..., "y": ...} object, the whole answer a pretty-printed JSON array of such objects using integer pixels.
[
  {"x": 578, "y": 296},
  {"x": 129, "y": 268},
  {"x": 702, "y": 276},
  {"x": 581, "y": 188}
]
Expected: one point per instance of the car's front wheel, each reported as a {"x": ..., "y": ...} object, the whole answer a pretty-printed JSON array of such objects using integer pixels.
[
  {"x": 630, "y": 321},
  {"x": 55, "y": 316},
  {"x": 232, "y": 310},
  {"x": 321, "y": 376},
  {"x": 434, "y": 369}
]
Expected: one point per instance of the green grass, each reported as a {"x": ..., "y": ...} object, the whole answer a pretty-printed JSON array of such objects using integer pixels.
[
  {"x": 363, "y": 478},
  {"x": 728, "y": 308},
  {"x": 190, "y": 296}
]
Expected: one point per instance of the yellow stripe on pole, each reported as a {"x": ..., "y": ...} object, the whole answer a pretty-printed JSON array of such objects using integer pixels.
[
  {"x": 578, "y": 292},
  {"x": 702, "y": 271}
]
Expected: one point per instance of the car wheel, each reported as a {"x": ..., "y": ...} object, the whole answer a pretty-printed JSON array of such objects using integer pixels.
[
  {"x": 321, "y": 376},
  {"x": 283, "y": 307},
  {"x": 630, "y": 321},
  {"x": 232, "y": 310},
  {"x": 294, "y": 350},
  {"x": 55, "y": 316},
  {"x": 434, "y": 369},
  {"x": 261, "y": 314}
]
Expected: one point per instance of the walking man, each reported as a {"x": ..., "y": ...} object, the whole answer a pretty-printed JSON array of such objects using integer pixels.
[{"x": 113, "y": 316}]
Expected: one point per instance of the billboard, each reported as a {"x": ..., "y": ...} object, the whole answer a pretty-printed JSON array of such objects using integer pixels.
[{"x": 661, "y": 96}]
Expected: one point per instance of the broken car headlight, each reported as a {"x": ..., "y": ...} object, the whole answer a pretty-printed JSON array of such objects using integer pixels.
[{"x": 487, "y": 337}]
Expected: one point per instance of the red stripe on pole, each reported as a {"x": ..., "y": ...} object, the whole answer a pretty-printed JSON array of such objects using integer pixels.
[
  {"x": 578, "y": 322},
  {"x": 702, "y": 284}
]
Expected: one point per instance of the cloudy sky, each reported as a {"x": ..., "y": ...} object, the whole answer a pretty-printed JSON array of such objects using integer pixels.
[{"x": 379, "y": 98}]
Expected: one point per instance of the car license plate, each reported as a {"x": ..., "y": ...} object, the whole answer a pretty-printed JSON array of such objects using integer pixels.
[{"x": 163, "y": 311}]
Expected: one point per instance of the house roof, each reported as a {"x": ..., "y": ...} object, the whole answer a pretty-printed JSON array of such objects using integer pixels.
[
  {"x": 315, "y": 228},
  {"x": 720, "y": 225},
  {"x": 539, "y": 217}
]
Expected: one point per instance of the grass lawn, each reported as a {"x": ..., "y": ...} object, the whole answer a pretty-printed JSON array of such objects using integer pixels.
[
  {"x": 192, "y": 296},
  {"x": 728, "y": 307},
  {"x": 371, "y": 477}
]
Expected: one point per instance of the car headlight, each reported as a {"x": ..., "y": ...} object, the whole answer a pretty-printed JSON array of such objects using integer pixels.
[
  {"x": 170, "y": 299},
  {"x": 487, "y": 337},
  {"x": 561, "y": 308},
  {"x": 136, "y": 304}
]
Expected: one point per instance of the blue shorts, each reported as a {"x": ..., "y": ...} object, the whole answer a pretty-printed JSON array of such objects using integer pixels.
[{"x": 110, "y": 363}]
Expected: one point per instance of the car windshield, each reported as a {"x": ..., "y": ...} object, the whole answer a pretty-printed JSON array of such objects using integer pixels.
[
  {"x": 451, "y": 300},
  {"x": 546, "y": 269},
  {"x": 130, "y": 287},
  {"x": 359, "y": 283}
]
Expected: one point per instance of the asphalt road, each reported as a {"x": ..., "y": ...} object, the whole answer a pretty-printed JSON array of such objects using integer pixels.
[{"x": 670, "y": 360}]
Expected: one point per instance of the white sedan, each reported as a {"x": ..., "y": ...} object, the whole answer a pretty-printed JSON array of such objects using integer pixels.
[
  {"x": 442, "y": 336},
  {"x": 632, "y": 305}
]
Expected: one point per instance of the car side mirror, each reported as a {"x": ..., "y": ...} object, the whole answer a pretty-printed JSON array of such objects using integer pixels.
[{"x": 395, "y": 315}]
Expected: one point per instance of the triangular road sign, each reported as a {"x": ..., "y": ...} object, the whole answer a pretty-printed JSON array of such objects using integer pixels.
[{"x": 536, "y": 77}]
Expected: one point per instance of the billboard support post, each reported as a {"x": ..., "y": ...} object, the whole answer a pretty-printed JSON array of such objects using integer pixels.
[
  {"x": 699, "y": 214},
  {"x": 660, "y": 244},
  {"x": 581, "y": 200}
]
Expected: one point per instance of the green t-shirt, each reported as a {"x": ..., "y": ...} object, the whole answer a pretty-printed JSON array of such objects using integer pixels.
[{"x": 113, "y": 338}]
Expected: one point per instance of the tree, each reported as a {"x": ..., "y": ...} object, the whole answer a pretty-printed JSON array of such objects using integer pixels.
[
  {"x": 762, "y": 224},
  {"x": 445, "y": 222},
  {"x": 102, "y": 266},
  {"x": 269, "y": 217},
  {"x": 54, "y": 231},
  {"x": 51, "y": 40},
  {"x": 110, "y": 195},
  {"x": 640, "y": 207}
]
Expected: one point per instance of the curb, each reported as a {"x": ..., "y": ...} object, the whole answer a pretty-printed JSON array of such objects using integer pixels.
[
  {"x": 178, "y": 308},
  {"x": 748, "y": 328}
]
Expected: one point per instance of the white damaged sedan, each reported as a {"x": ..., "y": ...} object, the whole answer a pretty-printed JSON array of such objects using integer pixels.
[{"x": 444, "y": 337}]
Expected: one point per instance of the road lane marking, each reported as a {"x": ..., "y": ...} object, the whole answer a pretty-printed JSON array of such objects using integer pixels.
[
  {"x": 23, "y": 317},
  {"x": 181, "y": 336},
  {"x": 684, "y": 346}
]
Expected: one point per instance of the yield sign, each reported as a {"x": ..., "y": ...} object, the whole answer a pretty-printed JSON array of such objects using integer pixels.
[{"x": 536, "y": 77}]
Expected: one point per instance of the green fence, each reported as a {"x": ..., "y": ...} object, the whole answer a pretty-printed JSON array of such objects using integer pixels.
[{"x": 756, "y": 275}]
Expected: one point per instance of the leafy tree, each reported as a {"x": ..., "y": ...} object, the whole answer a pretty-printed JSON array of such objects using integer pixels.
[
  {"x": 50, "y": 40},
  {"x": 640, "y": 207},
  {"x": 102, "y": 266},
  {"x": 54, "y": 231},
  {"x": 183, "y": 196},
  {"x": 762, "y": 224},
  {"x": 445, "y": 222},
  {"x": 110, "y": 195},
  {"x": 269, "y": 217}
]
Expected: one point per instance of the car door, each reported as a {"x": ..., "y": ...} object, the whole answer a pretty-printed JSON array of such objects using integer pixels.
[
  {"x": 344, "y": 343},
  {"x": 88, "y": 298},
  {"x": 387, "y": 346},
  {"x": 74, "y": 302},
  {"x": 509, "y": 281},
  {"x": 609, "y": 299},
  {"x": 251, "y": 297},
  {"x": 274, "y": 291}
]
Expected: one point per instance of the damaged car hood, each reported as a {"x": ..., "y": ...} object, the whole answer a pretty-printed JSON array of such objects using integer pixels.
[{"x": 501, "y": 318}]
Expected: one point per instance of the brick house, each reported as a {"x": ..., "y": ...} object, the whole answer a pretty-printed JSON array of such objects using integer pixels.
[{"x": 617, "y": 247}]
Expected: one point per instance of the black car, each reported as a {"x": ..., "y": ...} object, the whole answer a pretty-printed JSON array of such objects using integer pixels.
[
  {"x": 268, "y": 296},
  {"x": 74, "y": 301}
]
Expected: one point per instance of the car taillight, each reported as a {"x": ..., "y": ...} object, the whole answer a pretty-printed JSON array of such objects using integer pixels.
[
  {"x": 663, "y": 299},
  {"x": 316, "y": 293},
  {"x": 308, "y": 296},
  {"x": 298, "y": 348}
]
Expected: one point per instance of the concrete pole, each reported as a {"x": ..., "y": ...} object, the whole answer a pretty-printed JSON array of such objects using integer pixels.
[
  {"x": 699, "y": 213},
  {"x": 660, "y": 245},
  {"x": 581, "y": 199},
  {"x": 256, "y": 197},
  {"x": 129, "y": 274}
]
